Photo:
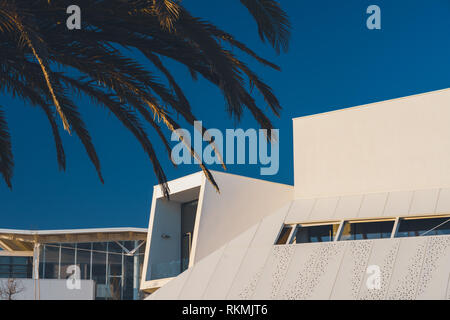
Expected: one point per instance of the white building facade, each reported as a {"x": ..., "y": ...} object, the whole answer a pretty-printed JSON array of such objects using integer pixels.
[
  {"x": 75, "y": 264},
  {"x": 368, "y": 216}
]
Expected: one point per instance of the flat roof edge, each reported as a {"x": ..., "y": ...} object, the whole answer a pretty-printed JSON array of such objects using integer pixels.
[
  {"x": 363, "y": 106},
  {"x": 74, "y": 231}
]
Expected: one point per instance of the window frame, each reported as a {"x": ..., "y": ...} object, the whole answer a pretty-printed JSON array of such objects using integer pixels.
[
  {"x": 400, "y": 219},
  {"x": 314, "y": 224},
  {"x": 341, "y": 224},
  {"x": 355, "y": 221}
]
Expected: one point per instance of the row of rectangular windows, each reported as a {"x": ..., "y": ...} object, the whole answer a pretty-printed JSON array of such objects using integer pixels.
[
  {"x": 15, "y": 267},
  {"x": 361, "y": 230}
]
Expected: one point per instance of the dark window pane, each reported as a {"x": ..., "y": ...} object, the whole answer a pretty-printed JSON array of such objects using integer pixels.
[
  {"x": 188, "y": 214},
  {"x": 99, "y": 262},
  {"x": 67, "y": 260},
  {"x": 19, "y": 260},
  {"x": 4, "y": 268},
  {"x": 16, "y": 267},
  {"x": 367, "y": 230},
  {"x": 84, "y": 260},
  {"x": 5, "y": 260},
  {"x": 284, "y": 234},
  {"x": 324, "y": 233},
  {"x": 128, "y": 278},
  {"x": 115, "y": 270},
  {"x": 51, "y": 265},
  {"x": 419, "y": 227}
]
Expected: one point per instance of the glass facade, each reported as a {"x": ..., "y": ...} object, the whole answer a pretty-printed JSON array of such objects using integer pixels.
[
  {"x": 423, "y": 227},
  {"x": 367, "y": 230},
  {"x": 16, "y": 267},
  {"x": 362, "y": 230},
  {"x": 107, "y": 263},
  {"x": 321, "y": 233}
]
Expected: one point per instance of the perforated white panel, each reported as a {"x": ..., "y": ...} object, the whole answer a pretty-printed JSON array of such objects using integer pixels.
[
  {"x": 247, "y": 277},
  {"x": 352, "y": 270},
  {"x": 312, "y": 271},
  {"x": 408, "y": 266},
  {"x": 383, "y": 254},
  {"x": 274, "y": 272},
  {"x": 436, "y": 268}
]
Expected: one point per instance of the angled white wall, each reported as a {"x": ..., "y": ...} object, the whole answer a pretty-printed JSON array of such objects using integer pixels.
[
  {"x": 384, "y": 160},
  {"x": 221, "y": 217},
  {"x": 409, "y": 268},
  {"x": 242, "y": 202},
  {"x": 428, "y": 202},
  {"x": 394, "y": 145}
]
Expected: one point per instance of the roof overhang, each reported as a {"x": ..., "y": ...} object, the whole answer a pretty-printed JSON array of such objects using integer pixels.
[{"x": 24, "y": 240}]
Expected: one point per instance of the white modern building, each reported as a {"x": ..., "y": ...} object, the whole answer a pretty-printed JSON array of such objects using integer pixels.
[
  {"x": 368, "y": 216},
  {"x": 75, "y": 264}
]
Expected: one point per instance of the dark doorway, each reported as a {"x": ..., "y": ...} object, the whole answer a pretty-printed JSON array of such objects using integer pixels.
[{"x": 188, "y": 211}]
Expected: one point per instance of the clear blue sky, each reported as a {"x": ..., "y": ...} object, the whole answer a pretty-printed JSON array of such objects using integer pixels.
[{"x": 334, "y": 62}]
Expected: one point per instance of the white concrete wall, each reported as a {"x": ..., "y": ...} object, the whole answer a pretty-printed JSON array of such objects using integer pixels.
[
  {"x": 428, "y": 202},
  {"x": 53, "y": 289},
  {"x": 241, "y": 204},
  {"x": 164, "y": 253},
  {"x": 401, "y": 144}
]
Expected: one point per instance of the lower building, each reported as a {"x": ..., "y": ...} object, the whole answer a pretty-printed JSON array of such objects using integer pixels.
[
  {"x": 368, "y": 216},
  {"x": 86, "y": 264}
]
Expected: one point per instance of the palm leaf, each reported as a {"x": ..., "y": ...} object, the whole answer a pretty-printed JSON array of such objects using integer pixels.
[
  {"x": 273, "y": 23},
  {"x": 6, "y": 155},
  {"x": 92, "y": 62}
]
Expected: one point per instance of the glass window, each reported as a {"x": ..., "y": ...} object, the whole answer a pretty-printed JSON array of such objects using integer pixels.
[
  {"x": 284, "y": 235},
  {"x": 426, "y": 227},
  {"x": 128, "y": 278},
  {"x": 321, "y": 233},
  {"x": 51, "y": 264},
  {"x": 367, "y": 230},
  {"x": 67, "y": 259},
  {"x": 16, "y": 267},
  {"x": 99, "y": 262},
  {"x": 84, "y": 260},
  {"x": 115, "y": 270}
]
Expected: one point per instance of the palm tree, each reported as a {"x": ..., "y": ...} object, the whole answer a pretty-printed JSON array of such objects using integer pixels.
[{"x": 35, "y": 45}]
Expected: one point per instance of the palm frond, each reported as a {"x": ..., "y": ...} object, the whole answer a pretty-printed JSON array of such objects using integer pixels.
[
  {"x": 29, "y": 35},
  {"x": 273, "y": 23},
  {"x": 93, "y": 62},
  {"x": 6, "y": 155}
]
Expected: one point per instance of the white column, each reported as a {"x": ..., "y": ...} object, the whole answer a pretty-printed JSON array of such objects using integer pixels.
[{"x": 36, "y": 254}]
